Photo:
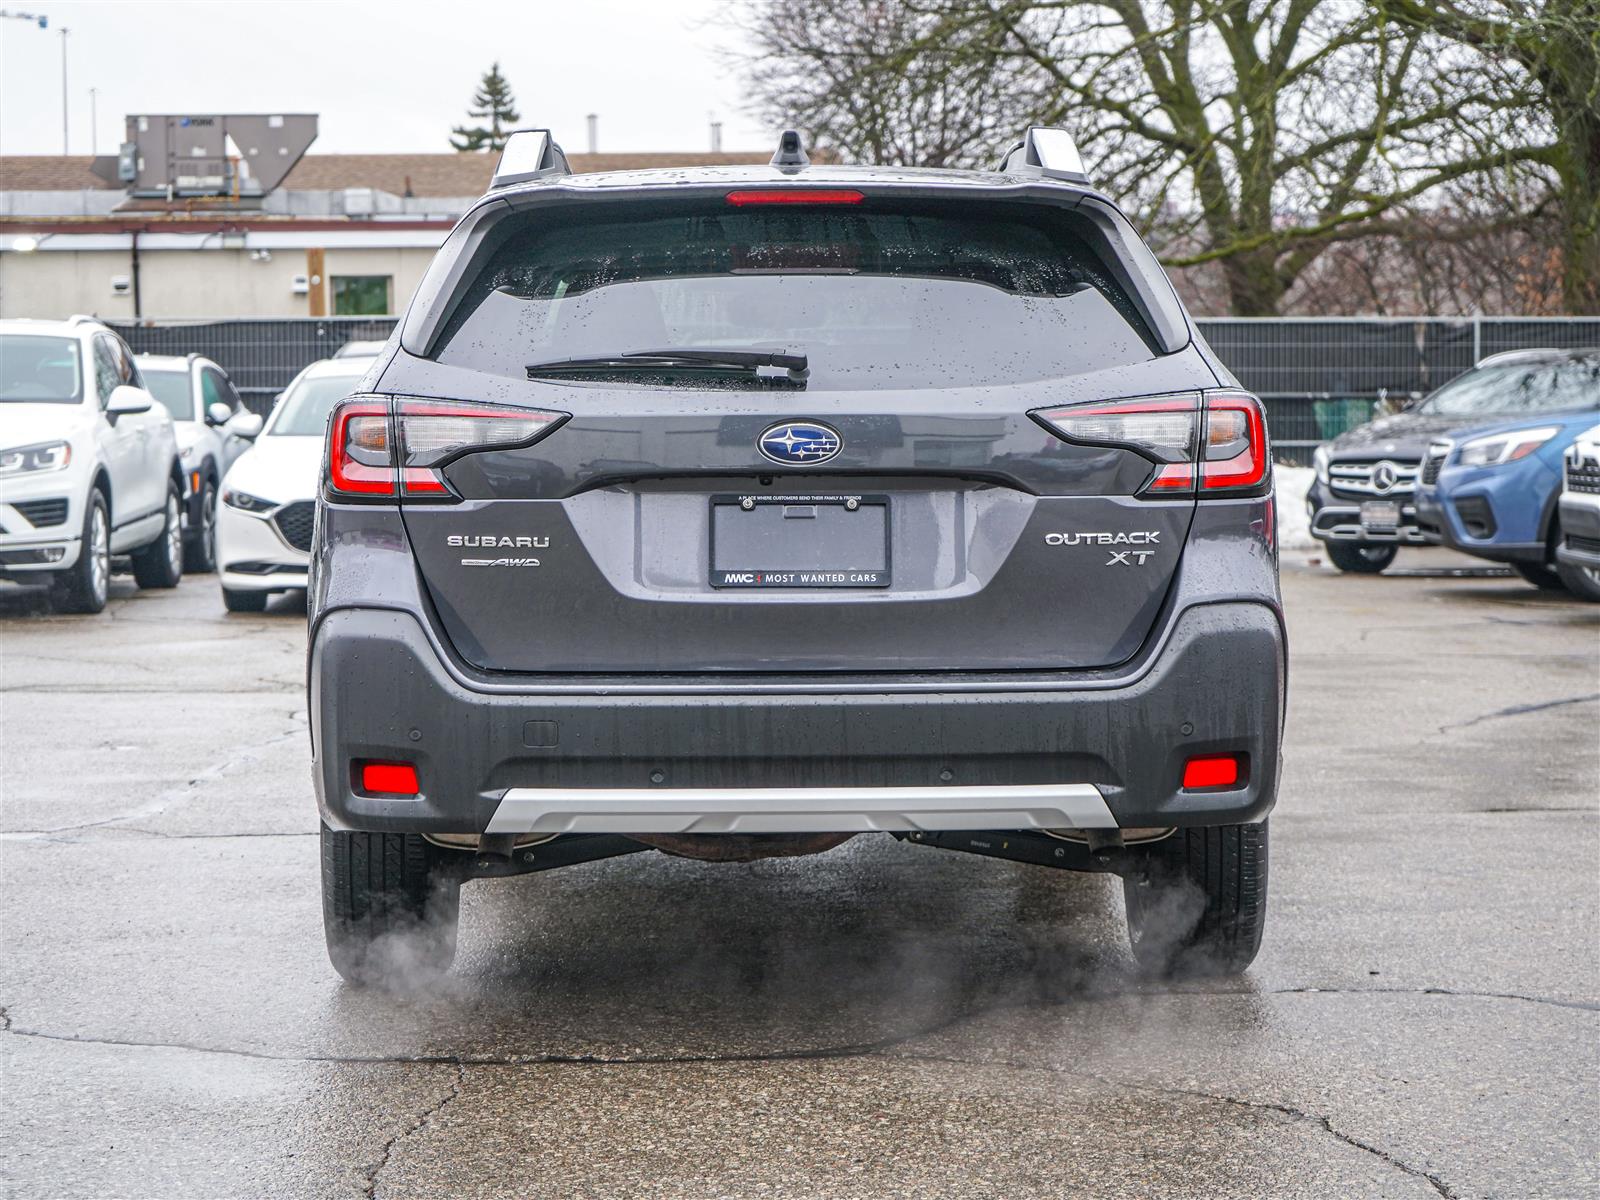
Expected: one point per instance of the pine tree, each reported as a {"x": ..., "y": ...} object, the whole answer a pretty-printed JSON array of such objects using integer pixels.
[{"x": 492, "y": 102}]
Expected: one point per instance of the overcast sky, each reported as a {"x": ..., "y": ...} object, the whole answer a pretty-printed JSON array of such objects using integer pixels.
[{"x": 386, "y": 77}]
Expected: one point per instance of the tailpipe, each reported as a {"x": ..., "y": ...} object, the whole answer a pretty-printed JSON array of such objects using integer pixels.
[{"x": 494, "y": 849}]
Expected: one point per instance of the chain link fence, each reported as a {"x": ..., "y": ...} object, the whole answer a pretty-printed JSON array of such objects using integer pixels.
[
  {"x": 260, "y": 354},
  {"x": 1318, "y": 376}
]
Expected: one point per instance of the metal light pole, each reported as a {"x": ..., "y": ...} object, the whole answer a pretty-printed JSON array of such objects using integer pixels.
[
  {"x": 94, "y": 133},
  {"x": 39, "y": 19},
  {"x": 64, "y": 32}
]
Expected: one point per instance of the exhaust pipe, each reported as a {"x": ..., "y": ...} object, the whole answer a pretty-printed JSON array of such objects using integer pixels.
[{"x": 494, "y": 849}]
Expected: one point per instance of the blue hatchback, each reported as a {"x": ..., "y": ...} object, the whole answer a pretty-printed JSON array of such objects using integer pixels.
[{"x": 1491, "y": 490}]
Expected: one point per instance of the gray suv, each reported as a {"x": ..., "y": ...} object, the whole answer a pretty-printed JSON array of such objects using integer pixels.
[{"x": 735, "y": 512}]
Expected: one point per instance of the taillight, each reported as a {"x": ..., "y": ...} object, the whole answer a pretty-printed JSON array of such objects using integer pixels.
[
  {"x": 1235, "y": 455},
  {"x": 379, "y": 447},
  {"x": 1218, "y": 438},
  {"x": 1161, "y": 429},
  {"x": 432, "y": 434},
  {"x": 361, "y": 462}
]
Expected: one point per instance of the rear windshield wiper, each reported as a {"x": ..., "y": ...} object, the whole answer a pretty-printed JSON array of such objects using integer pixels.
[{"x": 744, "y": 362}]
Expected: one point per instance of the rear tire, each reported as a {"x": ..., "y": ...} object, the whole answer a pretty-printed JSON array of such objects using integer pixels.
[
  {"x": 200, "y": 554},
  {"x": 1541, "y": 576},
  {"x": 1360, "y": 559},
  {"x": 239, "y": 601},
  {"x": 1199, "y": 907},
  {"x": 84, "y": 586},
  {"x": 160, "y": 564},
  {"x": 1582, "y": 582},
  {"x": 390, "y": 904}
]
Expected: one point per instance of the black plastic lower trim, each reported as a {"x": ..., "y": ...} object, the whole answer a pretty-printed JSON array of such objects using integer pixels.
[{"x": 379, "y": 691}]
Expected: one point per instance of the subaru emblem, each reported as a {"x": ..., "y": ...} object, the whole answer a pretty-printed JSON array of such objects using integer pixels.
[{"x": 799, "y": 443}]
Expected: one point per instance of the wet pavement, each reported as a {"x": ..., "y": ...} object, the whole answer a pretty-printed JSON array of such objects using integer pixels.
[{"x": 882, "y": 1020}]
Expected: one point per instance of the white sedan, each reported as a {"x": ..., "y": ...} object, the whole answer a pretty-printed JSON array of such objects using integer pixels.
[{"x": 269, "y": 496}]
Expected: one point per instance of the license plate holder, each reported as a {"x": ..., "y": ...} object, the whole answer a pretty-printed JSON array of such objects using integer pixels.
[
  {"x": 1380, "y": 515},
  {"x": 799, "y": 541}
]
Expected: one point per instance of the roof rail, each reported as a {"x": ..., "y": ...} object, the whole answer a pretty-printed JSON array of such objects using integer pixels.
[
  {"x": 1045, "y": 150},
  {"x": 84, "y": 319},
  {"x": 529, "y": 154}
]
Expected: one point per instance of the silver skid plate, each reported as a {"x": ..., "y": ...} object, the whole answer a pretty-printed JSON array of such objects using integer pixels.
[{"x": 800, "y": 810}]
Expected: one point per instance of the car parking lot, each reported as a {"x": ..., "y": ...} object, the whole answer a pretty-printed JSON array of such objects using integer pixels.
[{"x": 886, "y": 1019}]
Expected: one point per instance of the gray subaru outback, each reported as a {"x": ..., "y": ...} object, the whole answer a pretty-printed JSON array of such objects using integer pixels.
[{"x": 736, "y": 512}]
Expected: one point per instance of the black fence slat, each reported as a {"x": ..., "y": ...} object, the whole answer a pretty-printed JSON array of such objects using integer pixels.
[
  {"x": 1316, "y": 376},
  {"x": 260, "y": 356}
]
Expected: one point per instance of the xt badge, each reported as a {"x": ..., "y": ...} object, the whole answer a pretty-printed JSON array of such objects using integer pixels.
[{"x": 1119, "y": 558}]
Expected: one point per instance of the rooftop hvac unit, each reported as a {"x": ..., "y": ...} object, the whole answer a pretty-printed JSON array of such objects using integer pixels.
[{"x": 173, "y": 155}]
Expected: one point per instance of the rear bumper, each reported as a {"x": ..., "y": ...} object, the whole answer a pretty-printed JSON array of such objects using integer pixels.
[{"x": 1049, "y": 752}]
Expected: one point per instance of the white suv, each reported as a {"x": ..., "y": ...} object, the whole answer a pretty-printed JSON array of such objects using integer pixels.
[
  {"x": 1578, "y": 556},
  {"x": 88, "y": 464},
  {"x": 213, "y": 428}
]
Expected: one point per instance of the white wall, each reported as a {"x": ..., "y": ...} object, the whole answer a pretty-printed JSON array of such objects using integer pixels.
[{"x": 189, "y": 283}]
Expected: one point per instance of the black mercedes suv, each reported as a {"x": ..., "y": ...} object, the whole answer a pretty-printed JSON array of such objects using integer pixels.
[{"x": 735, "y": 512}]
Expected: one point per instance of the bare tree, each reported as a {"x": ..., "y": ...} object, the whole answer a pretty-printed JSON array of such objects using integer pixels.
[
  {"x": 1555, "y": 46},
  {"x": 1249, "y": 134},
  {"x": 1444, "y": 264},
  {"x": 862, "y": 77}
]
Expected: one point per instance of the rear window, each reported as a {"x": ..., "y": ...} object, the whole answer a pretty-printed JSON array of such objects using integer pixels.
[
  {"x": 1572, "y": 383},
  {"x": 881, "y": 295}
]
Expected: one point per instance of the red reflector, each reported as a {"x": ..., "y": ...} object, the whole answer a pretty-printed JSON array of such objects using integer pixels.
[
  {"x": 1221, "y": 771},
  {"x": 396, "y": 779},
  {"x": 796, "y": 196}
]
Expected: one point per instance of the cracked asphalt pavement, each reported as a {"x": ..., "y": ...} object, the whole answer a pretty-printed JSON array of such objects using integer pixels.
[{"x": 882, "y": 1020}]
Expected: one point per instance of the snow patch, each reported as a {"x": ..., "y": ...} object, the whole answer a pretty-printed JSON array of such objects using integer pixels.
[{"x": 1290, "y": 485}]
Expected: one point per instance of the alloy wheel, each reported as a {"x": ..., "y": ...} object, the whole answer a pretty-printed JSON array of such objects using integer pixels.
[
  {"x": 100, "y": 552},
  {"x": 174, "y": 536},
  {"x": 208, "y": 528}
]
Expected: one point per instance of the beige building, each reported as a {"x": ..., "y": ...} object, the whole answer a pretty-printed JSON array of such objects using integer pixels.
[{"x": 346, "y": 234}]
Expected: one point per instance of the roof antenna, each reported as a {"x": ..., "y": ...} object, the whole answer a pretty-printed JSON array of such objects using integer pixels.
[{"x": 791, "y": 155}]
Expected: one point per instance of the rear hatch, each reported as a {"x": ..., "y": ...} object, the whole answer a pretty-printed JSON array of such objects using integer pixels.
[{"x": 823, "y": 454}]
